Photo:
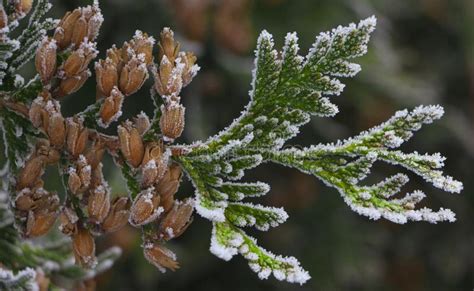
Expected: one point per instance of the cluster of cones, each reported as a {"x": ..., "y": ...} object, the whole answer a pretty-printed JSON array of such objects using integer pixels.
[{"x": 88, "y": 210}]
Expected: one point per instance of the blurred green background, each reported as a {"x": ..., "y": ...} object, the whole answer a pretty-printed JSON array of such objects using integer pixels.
[{"x": 421, "y": 53}]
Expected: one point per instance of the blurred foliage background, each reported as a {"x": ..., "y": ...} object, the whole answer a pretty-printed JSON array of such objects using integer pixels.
[{"x": 421, "y": 53}]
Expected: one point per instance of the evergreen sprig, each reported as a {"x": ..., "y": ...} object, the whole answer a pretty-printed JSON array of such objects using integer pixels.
[
  {"x": 286, "y": 90},
  {"x": 17, "y": 51}
]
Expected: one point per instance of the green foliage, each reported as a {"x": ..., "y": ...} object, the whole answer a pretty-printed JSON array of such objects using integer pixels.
[
  {"x": 286, "y": 90},
  {"x": 131, "y": 180},
  {"x": 14, "y": 53},
  {"x": 228, "y": 240},
  {"x": 22, "y": 280},
  {"x": 14, "y": 127},
  {"x": 25, "y": 93}
]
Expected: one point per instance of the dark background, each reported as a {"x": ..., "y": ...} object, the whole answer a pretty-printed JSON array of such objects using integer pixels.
[{"x": 421, "y": 53}]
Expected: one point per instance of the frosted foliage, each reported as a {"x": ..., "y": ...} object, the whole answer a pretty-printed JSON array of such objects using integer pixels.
[
  {"x": 227, "y": 241},
  {"x": 22, "y": 280},
  {"x": 286, "y": 90},
  {"x": 247, "y": 214},
  {"x": 343, "y": 164}
]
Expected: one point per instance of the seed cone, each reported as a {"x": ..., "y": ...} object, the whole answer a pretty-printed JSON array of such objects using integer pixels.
[
  {"x": 177, "y": 220},
  {"x": 99, "y": 204},
  {"x": 190, "y": 69},
  {"x": 142, "y": 45},
  {"x": 168, "y": 79},
  {"x": 131, "y": 144},
  {"x": 168, "y": 46},
  {"x": 145, "y": 208},
  {"x": 68, "y": 219},
  {"x": 3, "y": 20},
  {"x": 77, "y": 25},
  {"x": 154, "y": 164},
  {"x": 47, "y": 153},
  {"x": 83, "y": 246},
  {"x": 172, "y": 121},
  {"x": 160, "y": 256},
  {"x": 111, "y": 109},
  {"x": 45, "y": 60},
  {"x": 168, "y": 186},
  {"x": 39, "y": 222},
  {"x": 30, "y": 173},
  {"x": 70, "y": 85},
  {"x": 77, "y": 136},
  {"x": 118, "y": 215},
  {"x": 107, "y": 76},
  {"x": 57, "y": 130},
  {"x": 142, "y": 123},
  {"x": 80, "y": 176},
  {"x": 133, "y": 76},
  {"x": 79, "y": 59}
]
